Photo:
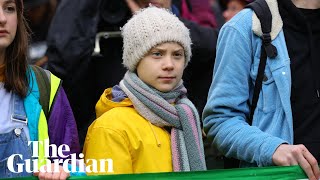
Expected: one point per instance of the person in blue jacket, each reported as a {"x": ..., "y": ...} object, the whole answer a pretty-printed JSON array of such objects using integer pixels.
[{"x": 285, "y": 124}]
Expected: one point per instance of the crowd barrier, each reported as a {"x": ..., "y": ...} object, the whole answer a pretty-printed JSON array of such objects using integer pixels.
[{"x": 265, "y": 173}]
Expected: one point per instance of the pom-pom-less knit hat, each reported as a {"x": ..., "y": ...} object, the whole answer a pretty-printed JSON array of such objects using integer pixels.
[{"x": 148, "y": 28}]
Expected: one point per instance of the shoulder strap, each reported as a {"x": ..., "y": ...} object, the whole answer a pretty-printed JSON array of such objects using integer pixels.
[
  {"x": 261, "y": 9},
  {"x": 44, "y": 88}
]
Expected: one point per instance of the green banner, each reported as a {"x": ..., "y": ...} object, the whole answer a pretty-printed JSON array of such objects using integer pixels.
[{"x": 265, "y": 173}]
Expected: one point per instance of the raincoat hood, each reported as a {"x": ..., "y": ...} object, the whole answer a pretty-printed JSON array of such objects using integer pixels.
[{"x": 107, "y": 103}]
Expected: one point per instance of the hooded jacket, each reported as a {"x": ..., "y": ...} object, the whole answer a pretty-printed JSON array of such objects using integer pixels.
[{"x": 132, "y": 142}]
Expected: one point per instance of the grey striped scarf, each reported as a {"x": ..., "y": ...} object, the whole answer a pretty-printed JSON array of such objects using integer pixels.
[{"x": 156, "y": 106}]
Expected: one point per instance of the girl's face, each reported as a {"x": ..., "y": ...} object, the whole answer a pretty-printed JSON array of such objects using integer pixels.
[
  {"x": 233, "y": 7},
  {"x": 163, "y": 66},
  {"x": 8, "y": 22}
]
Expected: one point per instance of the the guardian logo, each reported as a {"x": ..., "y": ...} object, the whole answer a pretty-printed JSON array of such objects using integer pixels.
[{"x": 70, "y": 162}]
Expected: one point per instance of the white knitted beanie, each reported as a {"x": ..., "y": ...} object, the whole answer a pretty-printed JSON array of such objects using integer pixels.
[{"x": 148, "y": 28}]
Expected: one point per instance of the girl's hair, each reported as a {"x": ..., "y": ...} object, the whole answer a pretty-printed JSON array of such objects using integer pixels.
[{"x": 16, "y": 57}]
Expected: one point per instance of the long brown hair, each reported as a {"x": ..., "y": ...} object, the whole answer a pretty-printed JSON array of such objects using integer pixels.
[{"x": 16, "y": 57}]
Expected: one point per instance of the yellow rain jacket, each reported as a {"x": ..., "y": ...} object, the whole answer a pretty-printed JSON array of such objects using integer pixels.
[{"x": 132, "y": 142}]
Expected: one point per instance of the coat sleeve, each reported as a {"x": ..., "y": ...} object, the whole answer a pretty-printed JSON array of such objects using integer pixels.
[
  {"x": 71, "y": 36},
  {"x": 227, "y": 108},
  {"x": 62, "y": 125},
  {"x": 108, "y": 143}
]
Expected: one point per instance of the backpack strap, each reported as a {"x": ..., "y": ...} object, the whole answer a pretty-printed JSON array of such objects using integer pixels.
[
  {"x": 261, "y": 9},
  {"x": 44, "y": 88}
]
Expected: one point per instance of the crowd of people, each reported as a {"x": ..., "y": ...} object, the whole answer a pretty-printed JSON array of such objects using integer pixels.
[{"x": 158, "y": 85}]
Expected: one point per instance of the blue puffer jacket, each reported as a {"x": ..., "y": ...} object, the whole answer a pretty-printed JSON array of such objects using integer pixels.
[{"x": 227, "y": 109}]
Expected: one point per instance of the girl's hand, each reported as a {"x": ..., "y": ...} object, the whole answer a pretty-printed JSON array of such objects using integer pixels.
[{"x": 61, "y": 175}]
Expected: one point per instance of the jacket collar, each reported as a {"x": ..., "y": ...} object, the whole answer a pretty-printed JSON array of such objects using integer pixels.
[
  {"x": 32, "y": 106},
  {"x": 277, "y": 23}
]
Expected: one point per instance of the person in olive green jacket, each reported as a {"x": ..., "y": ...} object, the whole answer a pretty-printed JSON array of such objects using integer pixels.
[{"x": 147, "y": 123}]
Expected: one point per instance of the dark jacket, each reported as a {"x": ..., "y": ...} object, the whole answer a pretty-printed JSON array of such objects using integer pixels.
[
  {"x": 71, "y": 36},
  {"x": 198, "y": 74},
  {"x": 70, "y": 41}
]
